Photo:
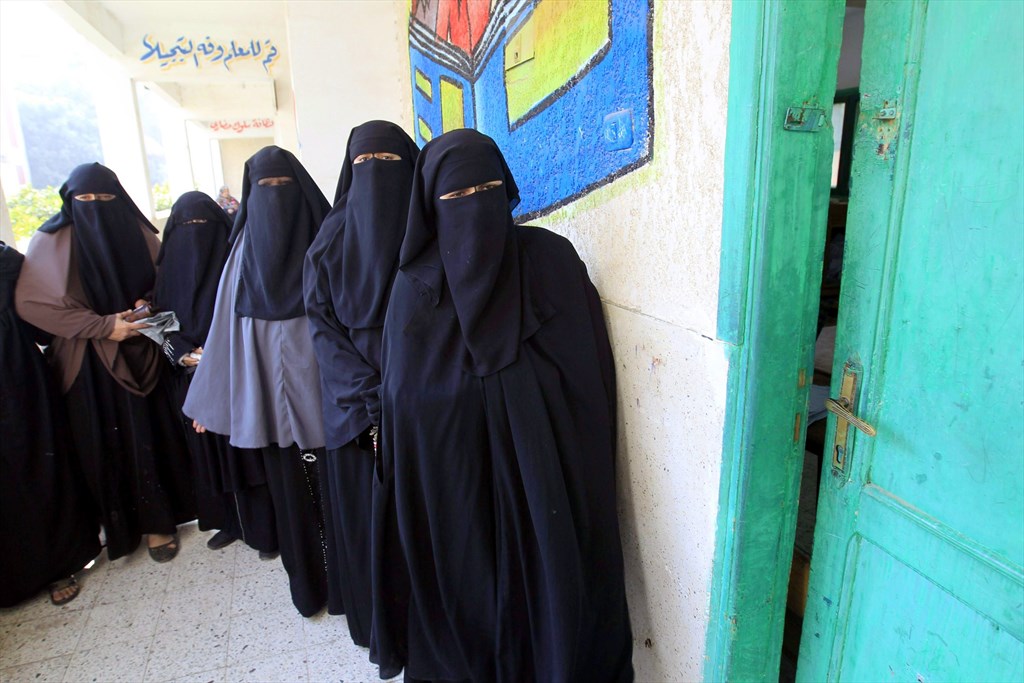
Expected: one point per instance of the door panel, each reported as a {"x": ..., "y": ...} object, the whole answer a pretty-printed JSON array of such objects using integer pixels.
[
  {"x": 877, "y": 649},
  {"x": 919, "y": 546}
]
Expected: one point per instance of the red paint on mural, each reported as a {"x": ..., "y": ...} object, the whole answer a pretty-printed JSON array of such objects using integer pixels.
[{"x": 459, "y": 22}]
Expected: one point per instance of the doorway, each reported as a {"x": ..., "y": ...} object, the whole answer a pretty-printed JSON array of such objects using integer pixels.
[
  {"x": 919, "y": 549},
  {"x": 844, "y": 116}
]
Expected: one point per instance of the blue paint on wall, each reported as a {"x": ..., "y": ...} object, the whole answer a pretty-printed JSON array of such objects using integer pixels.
[{"x": 560, "y": 151}]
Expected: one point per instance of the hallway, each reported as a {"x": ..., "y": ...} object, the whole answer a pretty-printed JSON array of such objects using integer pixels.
[{"x": 211, "y": 616}]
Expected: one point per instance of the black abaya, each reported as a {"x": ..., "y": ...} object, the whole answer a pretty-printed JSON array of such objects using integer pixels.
[
  {"x": 133, "y": 453},
  {"x": 498, "y": 443},
  {"x": 47, "y": 529},
  {"x": 231, "y": 491},
  {"x": 347, "y": 277},
  {"x": 87, "y": 264},
  {"x": 293, "y": 476}
]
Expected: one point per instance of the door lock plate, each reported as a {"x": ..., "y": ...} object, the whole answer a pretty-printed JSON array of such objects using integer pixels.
[{"x": 842, "y": 408}]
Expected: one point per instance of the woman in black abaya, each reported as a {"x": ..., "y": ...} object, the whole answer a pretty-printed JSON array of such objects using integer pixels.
[
  {"x": 85, "y": 269},
  {"x": 258, "y": 381},
  {"x": 498, "y": 444},
  {"x": 231, "y": 490},
  {"x": 348, "y": 275},
  {"x": 47, "y": 530}
]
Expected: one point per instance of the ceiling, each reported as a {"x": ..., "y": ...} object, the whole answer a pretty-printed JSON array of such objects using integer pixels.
[{"x": 208, "y": 12}]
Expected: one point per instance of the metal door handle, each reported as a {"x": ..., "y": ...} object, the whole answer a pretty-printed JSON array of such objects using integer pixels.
[{"x": 841, "y": 408}]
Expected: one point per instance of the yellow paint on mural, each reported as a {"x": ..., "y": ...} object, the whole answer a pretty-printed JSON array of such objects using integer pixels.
[
  {"x": 425, "y": 131},
  {"x": 452, "y": 106},
  {"x": 423, "y": 85},
  {"x": 551, "y": 47}
]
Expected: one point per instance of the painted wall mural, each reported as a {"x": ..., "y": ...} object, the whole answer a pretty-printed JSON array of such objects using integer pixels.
[
  {"x": 563, "y": 86},
  {"x": 184, "y": 51}
]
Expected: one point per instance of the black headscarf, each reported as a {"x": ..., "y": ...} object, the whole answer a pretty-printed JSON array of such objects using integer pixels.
[
  {"x": 114, "y": 262},
  {"x": 370, "y": 214},
  {"x": 280, "y": 223},
  {"x": 470, "y": 243},
  {"x": 195, "y": 246}
]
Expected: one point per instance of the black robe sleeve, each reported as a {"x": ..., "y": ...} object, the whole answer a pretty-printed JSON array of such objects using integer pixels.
[{"x": 348, "y": 379}]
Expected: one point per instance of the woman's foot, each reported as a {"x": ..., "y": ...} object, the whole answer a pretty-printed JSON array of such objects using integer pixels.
[
  {"x": 64, "y": 591},
  {"x": 221, "y": 539},
  {"x": 163, "y": 548}
]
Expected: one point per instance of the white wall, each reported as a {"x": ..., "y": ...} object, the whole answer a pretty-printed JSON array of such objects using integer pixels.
[
  {"x": 233, "y": 154},
  {"x": 652, "y": 243},
  {"x": 350, "y": 65}
]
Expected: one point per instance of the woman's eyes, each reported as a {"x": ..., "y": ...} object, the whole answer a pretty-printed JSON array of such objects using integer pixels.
[
  {"x": 383, "y": 156},
  {"x": 275, "y": 181},
  {"x": 459, "y": 193},
  {"x": 95, "y": 197},
  {"x": 466, "y": 191}
]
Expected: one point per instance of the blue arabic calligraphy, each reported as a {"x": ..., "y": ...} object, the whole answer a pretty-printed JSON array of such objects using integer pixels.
[{"x": 206, "y": 51}]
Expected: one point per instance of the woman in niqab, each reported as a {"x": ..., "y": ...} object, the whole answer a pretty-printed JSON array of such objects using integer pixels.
[
  {"x": 497, "y": 442},
  {"x": 258, "y": 381},
  {"x": 85, "y": 269},
  {"x": 348, "y": 275},
  {"x": 47, "y": 529},
  {"x": 231, "y": 490}
]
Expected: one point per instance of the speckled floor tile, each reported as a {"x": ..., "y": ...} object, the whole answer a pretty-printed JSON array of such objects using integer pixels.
[
  {"x": 197, "y": 564},
  {"x": 347, "y": 664},
  {"x": 214, "y": 676},
  {"x": 206, "y": 617},
  {"x": 263, "y": 592},
  {"x": 44, "y": 671},
  {"x": 199, "y": 647},
  {"x": 116, "y": 661},
  {"x": 326, "y": 629},
  {"x": 195, "y": 604},
  {"x": 283, "y": 668},
  {"x": 43, "y": 638},
  {"x": 248, "y": 562},
  {"x": 134, "y": 577},
  {"x": 131, "y": 621},
  {"x": 258, "y": 635}
]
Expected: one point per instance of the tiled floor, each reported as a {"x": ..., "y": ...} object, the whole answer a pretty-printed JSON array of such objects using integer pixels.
[{"x": 218, "y": 616}]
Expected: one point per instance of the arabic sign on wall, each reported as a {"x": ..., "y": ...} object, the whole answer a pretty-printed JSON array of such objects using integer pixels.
[
  {"x": 185, "y": 51},
  {"x": 240, "y": 126},
  {"x": 564, "y": 87}
]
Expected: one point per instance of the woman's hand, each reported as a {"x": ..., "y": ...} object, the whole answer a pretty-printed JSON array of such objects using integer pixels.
[
  {"x": 200, "y": 429},
  {"x": 190, "y": 362},
  {"x": 124, "y": 329}
]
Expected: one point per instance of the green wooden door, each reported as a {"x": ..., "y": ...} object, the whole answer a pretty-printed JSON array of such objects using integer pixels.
[{"x": 919, "y": 546}]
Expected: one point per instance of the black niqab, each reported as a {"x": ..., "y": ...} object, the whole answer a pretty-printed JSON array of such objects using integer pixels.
[
  {"x": 114, "y": 262},
  {"x": 497, "y": 554},
  {"x": 472, "y": 242},
  {"x": 370, "y": 222},
  {"x": 280, "y": 223},
  {"x": 195, "y": 246}
]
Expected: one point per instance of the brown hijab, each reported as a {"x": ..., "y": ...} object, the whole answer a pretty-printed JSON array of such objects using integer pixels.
[{"x": 50, "y": 295}]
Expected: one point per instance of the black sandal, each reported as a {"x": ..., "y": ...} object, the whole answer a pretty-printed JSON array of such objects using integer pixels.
[
  {"x": 165, "y": 552},
  {"x": 63, "y": 584}
]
